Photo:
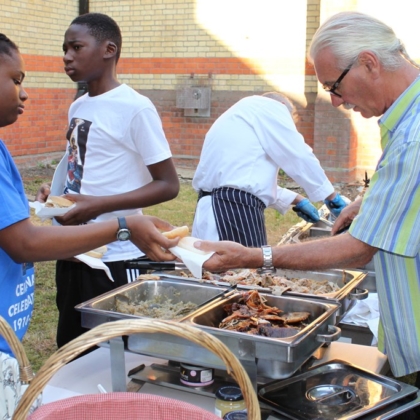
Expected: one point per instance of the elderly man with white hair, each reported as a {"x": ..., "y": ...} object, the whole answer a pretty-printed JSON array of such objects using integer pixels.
[{"x": 365, "y": 67}]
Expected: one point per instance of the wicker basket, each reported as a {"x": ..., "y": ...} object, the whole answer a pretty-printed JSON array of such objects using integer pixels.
[
  {"x": 110, "y": 330},
  {"x": 15, "y": 375},
  {"x": 25, "y": 370}
]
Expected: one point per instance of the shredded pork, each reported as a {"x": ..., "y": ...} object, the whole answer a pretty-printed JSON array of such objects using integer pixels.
[
  {"x": 279, "y": 284},
  {"x": 159, "y": 307}
]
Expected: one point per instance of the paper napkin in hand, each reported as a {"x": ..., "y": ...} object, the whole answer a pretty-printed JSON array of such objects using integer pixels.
[
  {"x": 48, "y": 212},
  {"x": 96, "y": 263},
  {"x": 192, "y": 260}
]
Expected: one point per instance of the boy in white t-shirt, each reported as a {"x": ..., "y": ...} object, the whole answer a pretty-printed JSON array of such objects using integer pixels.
[
  {"x": 22, "y": 242},
  {"x": 118, "y": 161}
]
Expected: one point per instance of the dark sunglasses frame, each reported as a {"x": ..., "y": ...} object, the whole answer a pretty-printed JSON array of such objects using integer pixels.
[{"x": 333, "y": 88}]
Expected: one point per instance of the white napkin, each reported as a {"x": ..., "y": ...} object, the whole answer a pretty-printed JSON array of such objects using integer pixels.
[
  {"x": 365, "y": 314},
  {"x": 95, "y": 263},
  {"x": 192, "y": 260},
  {"x": 48, "y": 212}
]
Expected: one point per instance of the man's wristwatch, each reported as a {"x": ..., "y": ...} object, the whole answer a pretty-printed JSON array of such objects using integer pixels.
[
  {"x": 267, "y": 266},
  {"x": 123, "y": 233}
]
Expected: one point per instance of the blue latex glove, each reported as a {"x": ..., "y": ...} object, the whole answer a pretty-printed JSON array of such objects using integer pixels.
[
  {"x": 336, "y": 205},
  {"x": 307, "y": 211}
]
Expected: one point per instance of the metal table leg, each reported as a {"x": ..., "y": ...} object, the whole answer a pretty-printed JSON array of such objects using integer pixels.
[
  {"x": 251, "y": 369},
  {"x": 118, "y": 373}
]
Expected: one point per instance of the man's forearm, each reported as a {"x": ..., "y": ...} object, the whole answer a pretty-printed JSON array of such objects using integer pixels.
[{"x": 342, "y": 251}]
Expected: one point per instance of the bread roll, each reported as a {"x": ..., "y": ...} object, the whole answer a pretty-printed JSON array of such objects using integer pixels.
[
  {"x": 188, "y": 243},
  {"x": 97, "y": 252},
  {"x": 180, "y": 232},
  {"x": 58, "y": 202}
]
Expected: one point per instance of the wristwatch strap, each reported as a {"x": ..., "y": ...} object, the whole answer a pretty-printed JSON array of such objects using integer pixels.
[
  {"x": 267, "y": 266},
  {"x": 123, "y": 233},
  {"x": 122, "y": 223}
]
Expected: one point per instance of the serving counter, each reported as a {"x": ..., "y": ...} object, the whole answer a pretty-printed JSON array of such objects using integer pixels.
[
  {"x": 83, "y": 375},
  {"x": 333, "y": 375}
]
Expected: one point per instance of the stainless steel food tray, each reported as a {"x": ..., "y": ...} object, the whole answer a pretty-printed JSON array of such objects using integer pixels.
[
  {"x": 267, "y": 357},
  {"x": 336, "y": 390},
  {"x": 274, "y": 357},
  {"x": 102, "y": 308},
  {"x": 349, "y": 281}
]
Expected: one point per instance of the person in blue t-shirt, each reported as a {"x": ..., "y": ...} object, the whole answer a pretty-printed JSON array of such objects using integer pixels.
[{"x": 21, "y": 241}]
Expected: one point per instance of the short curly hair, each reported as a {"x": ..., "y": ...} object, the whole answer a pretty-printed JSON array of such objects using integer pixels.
[
  {"x": 102, "y": 28},
  {"x": 7, "y": 46}
]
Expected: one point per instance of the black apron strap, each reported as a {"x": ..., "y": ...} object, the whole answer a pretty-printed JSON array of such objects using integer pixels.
[
  {"x": 202, "y": 194},
  {"x": 239, "y": 216}
]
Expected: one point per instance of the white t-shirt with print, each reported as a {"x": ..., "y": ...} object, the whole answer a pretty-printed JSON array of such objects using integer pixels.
[{"x": 113, "y": 137}]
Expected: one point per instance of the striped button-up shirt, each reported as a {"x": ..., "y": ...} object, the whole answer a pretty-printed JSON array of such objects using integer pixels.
[{"x": 389, "y": 220}]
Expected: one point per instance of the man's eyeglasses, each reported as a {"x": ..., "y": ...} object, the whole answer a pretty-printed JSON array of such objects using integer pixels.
[{"x": 333, "y": 88}]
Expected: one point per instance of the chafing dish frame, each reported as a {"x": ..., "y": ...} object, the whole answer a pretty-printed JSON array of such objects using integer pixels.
[{"x": 259, "y": 355}]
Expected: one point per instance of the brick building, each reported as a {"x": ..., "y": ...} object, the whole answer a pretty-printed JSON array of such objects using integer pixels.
[{"x": 185, "y": 52}]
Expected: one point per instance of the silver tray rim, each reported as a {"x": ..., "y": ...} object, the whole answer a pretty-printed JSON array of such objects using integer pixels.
[
  {"x": 406, "y": 389},
  {"x": 87, "y": 307},
  {"x": 330, "y": 308},
  {"x": 358, "y": 277}
]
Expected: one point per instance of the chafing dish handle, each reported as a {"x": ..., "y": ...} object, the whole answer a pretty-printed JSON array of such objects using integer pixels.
[
  {"x": 358, "y": 294},
  {"x": 329, "y": 338}
]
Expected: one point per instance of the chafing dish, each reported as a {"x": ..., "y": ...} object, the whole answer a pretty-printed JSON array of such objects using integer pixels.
[
  {"x": 103, "y": 308},
  {"x": 349, "y": 282},
  {"x": 272, "y": 358},
  {"x": 267, "y": 357},
  {"x": 339, "y": 390}
]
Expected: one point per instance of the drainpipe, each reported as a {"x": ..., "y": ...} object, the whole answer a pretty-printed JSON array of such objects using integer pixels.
[
  {"x": 83, "y": 7},
  {"x": 82, "y": 87}
]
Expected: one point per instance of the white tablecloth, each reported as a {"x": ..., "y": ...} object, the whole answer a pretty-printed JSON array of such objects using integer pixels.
[{"x": 83, "y": 375}]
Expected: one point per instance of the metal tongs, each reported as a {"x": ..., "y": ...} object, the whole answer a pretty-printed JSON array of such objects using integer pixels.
[
  {"x": 326, "y": 221},
  {"x": 331, "y": 224},
  {"x": 147, "y": 264}
]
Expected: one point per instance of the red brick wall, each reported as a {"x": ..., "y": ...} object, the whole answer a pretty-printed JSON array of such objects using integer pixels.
[
  {"x": 41, "y": 129},
  {"x": 169, "y": 39},
  {"x": 186, "y": 134}
]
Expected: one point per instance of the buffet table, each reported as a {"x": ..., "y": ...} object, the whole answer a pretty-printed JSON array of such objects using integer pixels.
[{"x": 83, "y": 375}]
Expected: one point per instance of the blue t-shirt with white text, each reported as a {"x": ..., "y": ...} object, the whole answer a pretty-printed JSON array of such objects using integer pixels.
[{"x": 17, "y": 281}]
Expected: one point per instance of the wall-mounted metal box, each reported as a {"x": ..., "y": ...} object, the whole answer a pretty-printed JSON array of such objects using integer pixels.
[{"x": 194, "y": 96}]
